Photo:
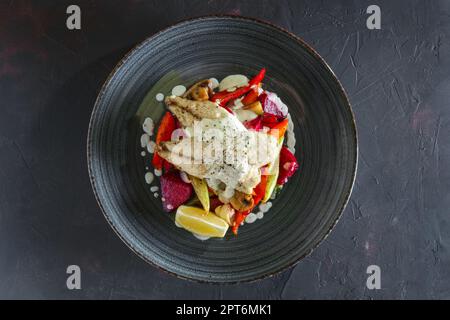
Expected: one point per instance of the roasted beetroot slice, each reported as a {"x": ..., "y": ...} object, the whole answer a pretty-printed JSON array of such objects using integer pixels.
[
  {"x": 272, "y": 104},
  {"x": 174, "y": 191},
  {"x": 214, "y": 202}
]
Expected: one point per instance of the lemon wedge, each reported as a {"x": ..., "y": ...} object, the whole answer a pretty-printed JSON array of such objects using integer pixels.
[{"x": 196, "y": 221}]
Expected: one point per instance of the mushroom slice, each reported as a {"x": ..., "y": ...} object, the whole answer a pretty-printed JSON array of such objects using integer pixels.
[{"x": 201, "y": 91}]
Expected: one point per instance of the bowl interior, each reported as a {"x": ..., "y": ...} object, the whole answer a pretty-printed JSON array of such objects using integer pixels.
[{"x": 308, "y": 206}]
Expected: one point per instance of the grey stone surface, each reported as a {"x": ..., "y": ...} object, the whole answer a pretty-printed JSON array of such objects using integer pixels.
[{"x": 398, "y": 81}]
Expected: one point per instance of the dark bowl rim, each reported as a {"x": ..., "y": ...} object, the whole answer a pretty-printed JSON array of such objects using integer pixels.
[{"x": 294, "y": 37}]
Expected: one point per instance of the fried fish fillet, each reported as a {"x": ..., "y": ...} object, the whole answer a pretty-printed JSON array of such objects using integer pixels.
[
  {"x": 208, "y": 157},
  {"x": 189, "y": 111}
]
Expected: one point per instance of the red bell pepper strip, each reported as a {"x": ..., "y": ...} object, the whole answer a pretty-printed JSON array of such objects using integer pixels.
[
  {"x": 167, "y": 126},
  {"x": 288, "y": 165},
  {"x": 269, "y": 120},
  {"x": 223, "y": 97},
  {"x": 157, "y": 161},
  {"x": 259, "y": 191},
  {"x": 250, "y": 97},
  {"x": 255, "y": 124},
  {"x": 279, "y": 129},
  {"x": 258, "y": 78},
  {"x": 238, "y": 218}
]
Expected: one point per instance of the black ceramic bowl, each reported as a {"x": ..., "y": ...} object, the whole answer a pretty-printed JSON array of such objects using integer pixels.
[{"x": 308, "y": 206}]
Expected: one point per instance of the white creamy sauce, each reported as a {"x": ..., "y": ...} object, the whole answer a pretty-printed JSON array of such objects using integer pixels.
[
  {"x": 250, "y": 218},
  {"x": 145, "y": 139},
  {"x": 151, "y": 146},
  {"x": 238, "y": 103},
  {"x": 148, "y": 126},
  {"x": 157, "y": 172},
  {"x": 239, "y": 144},
  {"x": 264, "y": 207},
  {"x": 200, "y": 237},
  {"x": 159, "y": 97},
  {"x": 184, "y": 177},
  {"x": 290, "y": 135},
  {"x": 154, "y": 188},
  {"x": 231, "y": 82},
  {"x": 245, "y": 115},
  {"x": 156, "y": 195},
  {"x": 143, "y": 153},
  {"x": 226, "y": 174},
  {"x": 149, "y": 177},
  {"x": 178, "y": 90},
  {"x": 214, "y": 83}
]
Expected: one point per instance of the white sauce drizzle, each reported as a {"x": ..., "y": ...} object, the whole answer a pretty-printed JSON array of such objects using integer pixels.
[
  {"x": 264, "y": 207},
  {"x": 245, "y": 115},
  {"x": 148, "y": 126},
  {"x": 145, "y": 139},
  {"x": 159, "y": 97},
  {"x": 231, "y": 82},
  {"x": 184, "y": 177},
  {"x": 149, "y": 177},
  {"x": 290, "y": 135},
  {"x": 154, "y": 188},
  {"x": 199, "y": 237},
  {"x": 151, "y": 146},
  {"x": 238, "y": 103},
  {"x": 250, "y": 218},
  {"x": 214, "y": 83},
  {"x": 178, "y": 90},
  {"x": 157, "y": 172}
]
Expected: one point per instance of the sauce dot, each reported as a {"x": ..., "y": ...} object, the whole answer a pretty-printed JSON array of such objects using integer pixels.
[
  {"x": 159, "y": 97},
  {"x": 178, "y": 90},
  {"x": 149, "y": 177}
]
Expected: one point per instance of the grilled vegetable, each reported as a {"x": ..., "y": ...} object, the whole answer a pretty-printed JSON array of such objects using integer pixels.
[{"x": 201, "y": 190}]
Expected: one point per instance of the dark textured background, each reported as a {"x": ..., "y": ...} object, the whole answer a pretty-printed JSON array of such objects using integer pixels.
[{"x": 398, "y": 81}]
